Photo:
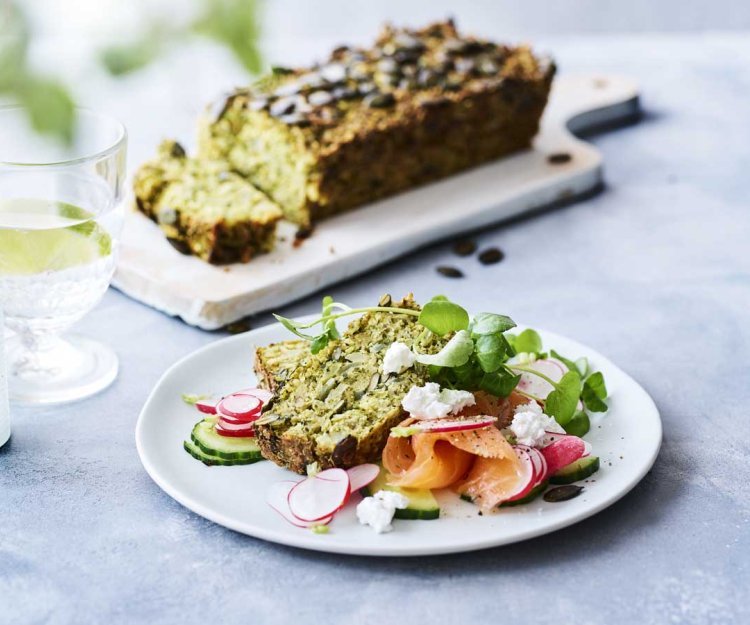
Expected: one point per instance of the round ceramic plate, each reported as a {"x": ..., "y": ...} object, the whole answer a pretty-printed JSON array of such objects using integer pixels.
[{"x": 627, "y": 440}]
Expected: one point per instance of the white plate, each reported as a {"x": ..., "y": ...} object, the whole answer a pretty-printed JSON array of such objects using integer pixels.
[{"x": 627, "y": 440}]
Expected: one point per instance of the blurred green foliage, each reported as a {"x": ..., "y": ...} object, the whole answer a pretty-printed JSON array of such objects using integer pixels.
[
  {"x": 48, "y": 103},
  {"x": 232, "y": 23}
]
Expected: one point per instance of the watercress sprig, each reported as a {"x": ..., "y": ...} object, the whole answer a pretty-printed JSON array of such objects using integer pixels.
[{"x": 477, "y": 356}]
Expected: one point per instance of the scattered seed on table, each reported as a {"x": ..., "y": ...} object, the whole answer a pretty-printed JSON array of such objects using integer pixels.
[
  {"x": 558, "y": 158},
  {"x": 491, "y": 255},
  {"x": 303, "y": 233},
  {"x": 238, "y": 327},
  {"x": 464, "y": 247},
  {"x": 562, "y": 493},
  {"x": 450, "y": 272}
]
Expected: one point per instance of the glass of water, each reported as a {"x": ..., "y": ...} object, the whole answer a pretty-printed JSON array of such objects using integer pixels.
[{"x": 60, "y": 220}]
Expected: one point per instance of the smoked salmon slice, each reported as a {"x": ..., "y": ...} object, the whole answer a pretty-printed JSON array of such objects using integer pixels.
[
  {"x": 491, "y": 481},
  {"x": 440, "y": 459}
]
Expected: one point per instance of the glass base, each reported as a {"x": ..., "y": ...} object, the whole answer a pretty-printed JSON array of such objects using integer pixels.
[{"x": 59, "y": 370}]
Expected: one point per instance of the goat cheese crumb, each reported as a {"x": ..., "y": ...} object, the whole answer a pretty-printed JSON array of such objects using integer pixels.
[
  {"x": 530, "y": 424},
  {"x": 377, "y": 511},
  {"x": 398, "y": 358},
  {"x": 430, "y": 402}
]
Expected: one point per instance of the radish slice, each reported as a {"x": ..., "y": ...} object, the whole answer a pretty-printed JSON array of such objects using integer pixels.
[
  {"x": 539, "y": 462},
  {"x": 527, "y": 479},
  {"x": 320, "y": 496},
  {"x": 234, "y": 421},
  {"x": 261, "y": 393},
  {"x": 551, "y": 437},
  {"x": 239, "y": 406},
  {"x": 362, "y": 475},
  {"x": 206, "y": 406},
  {"x": 534, "y": 385},
  {"x": 233, "y": 427},
  {"x": 563, "y": 451},
  {"x": 248, "y": 433},
  {"x": 278, "y": 498},
  {"x": 458, "y": 424}
]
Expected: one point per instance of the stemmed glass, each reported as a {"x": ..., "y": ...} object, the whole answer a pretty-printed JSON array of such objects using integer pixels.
[{"x": 60, "y": 220}]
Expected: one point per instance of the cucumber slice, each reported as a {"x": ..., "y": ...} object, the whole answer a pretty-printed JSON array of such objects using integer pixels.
[
  {"x": 533, "y": 494},
  {"x": 576, "y": 471},
  {"x": 205, "y": 437},
  {"x": 422, "y": 503},
  {"x": 208, "y": 459}
]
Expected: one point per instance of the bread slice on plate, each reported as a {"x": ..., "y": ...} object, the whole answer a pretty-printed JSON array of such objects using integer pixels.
[
  {"x": 337, "y": 407},
  {"x": 274, "y": 363}
]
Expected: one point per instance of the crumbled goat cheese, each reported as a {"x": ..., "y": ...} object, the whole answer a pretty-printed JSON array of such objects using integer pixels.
[
  {"x": 429, "y": 402},
  {"x": 398, "y": 358},
  {"x": 377, "y": 511},
  {"x": 530, "y": 424}
]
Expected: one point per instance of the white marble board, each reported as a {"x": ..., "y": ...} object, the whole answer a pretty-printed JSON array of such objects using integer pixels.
[{"x": 208, "y": 296}]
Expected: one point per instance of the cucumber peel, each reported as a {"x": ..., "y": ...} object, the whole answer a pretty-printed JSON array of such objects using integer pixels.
[
  {"x": 576, "y": 471},
  {"x": 208, "y": 459},
  {"x": 533, "y": 494},
  {"x": 210, "y": 447},
  {"x": 422, "y": 503}
]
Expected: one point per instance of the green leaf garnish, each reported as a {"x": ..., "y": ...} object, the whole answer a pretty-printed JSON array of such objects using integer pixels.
[
  {"x": 501, "y": 383},
  {"x": 405, "y": 431},
  {"x": 528, "y": 342},
  {"x": 191, "y": 399},
  {"x": 579, "y": 424},
  {"x": 491, "y": 351},
  {"x": 455, "y": 353},
  {"x": 490, "y": 323},
  {"x": 562, "y": 402},
  {"x": 594, "y": 393},
  {"x": 443, "y": 317}
]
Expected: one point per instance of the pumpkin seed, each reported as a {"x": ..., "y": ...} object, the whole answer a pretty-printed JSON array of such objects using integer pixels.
[
  {"x": 380, "y": 100},
  {"x": 333, "y": 72},
  {"x": 356, "y": 357},
  {"x": 373, "y": 382},
  {"x": 491, "y": 256},
  {"x": 450, "y": 272},
  {"x": 167, "y": 216},
  {"x": 320, "y": 98},
  {"x": 562, "y": 493},
  {"x": 558, "y": 158},
  {"x": 465, "y": 247}
]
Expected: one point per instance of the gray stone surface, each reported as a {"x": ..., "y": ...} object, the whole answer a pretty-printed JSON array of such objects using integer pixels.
[{"x": 654, "y": 272}]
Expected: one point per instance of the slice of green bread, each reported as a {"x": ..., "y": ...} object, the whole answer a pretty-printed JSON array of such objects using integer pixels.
[
  {"x": 336, "y": 407},
  {"x": 274, "y": 363},
  {"x": 204, "y": 208}
]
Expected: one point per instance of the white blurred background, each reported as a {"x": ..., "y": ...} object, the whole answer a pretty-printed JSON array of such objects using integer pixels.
[{"x": 164, "y": 98}]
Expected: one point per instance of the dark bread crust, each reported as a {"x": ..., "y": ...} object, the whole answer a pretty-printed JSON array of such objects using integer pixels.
[{"x": 355, "y": 153}]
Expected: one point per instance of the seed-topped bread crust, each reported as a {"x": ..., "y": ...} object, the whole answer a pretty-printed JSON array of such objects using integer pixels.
[
  {"x": 338, "y": 408},
  {"x": 417, "y": 106}
]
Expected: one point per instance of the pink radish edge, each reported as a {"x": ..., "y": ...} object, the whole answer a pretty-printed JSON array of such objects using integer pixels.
[
  {"x": 320, "y": 496},
  {"x": 362, "y": 475},
  {"x": 238, "y": 406},
  {"x": 206, "y": 406},
  {"x": 527, "y": 481},
  {"x": 277, "y": 497}
]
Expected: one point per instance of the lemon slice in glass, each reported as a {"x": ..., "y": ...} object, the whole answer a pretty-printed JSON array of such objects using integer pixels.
[{"x": 37, "y": 236}]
